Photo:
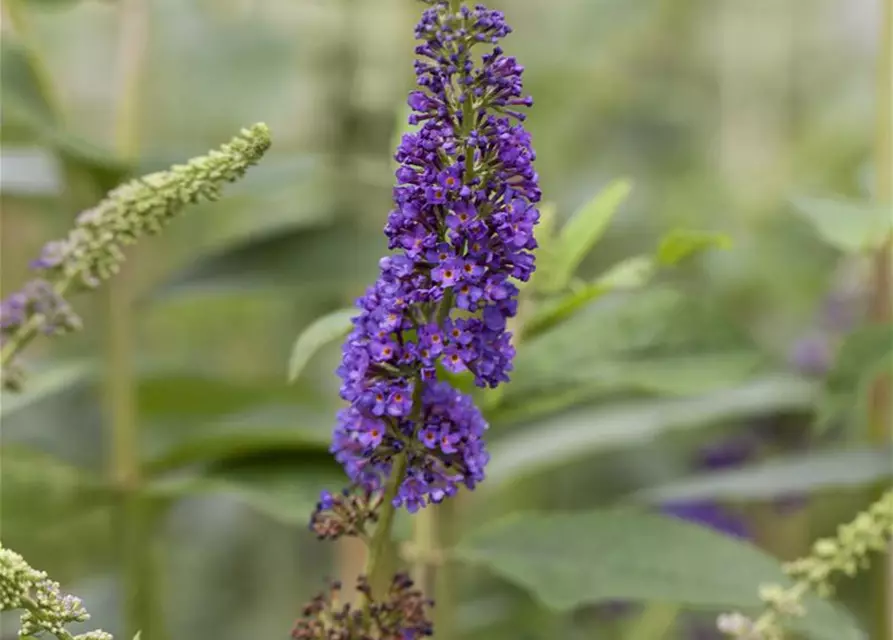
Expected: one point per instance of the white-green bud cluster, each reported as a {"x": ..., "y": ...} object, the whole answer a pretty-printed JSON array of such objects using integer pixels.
[
  {"x": 92, "y": 250},
  {"x": 847, "y": 553},
  {"x": 45, "y": 609}
]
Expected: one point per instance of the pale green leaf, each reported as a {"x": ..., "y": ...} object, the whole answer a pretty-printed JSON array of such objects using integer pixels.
[
  {"x": 546, "y": 261},
  {"x": 678, "y": 245},
  {"x": 45, "y": 384},
  {"x": 863, "y": 356},
  {"x": 340, "y": 256},
  {"x": 54, "y": 511},
  {"x": 792, "y": 474},
  {"x": 568, "y": 560},
  {"x": 321, "y": 332},
  {"x": 285, "y": 491},
  {"x": 563, "y": 439},
  {"x": 628, "y": 274},
  {"x": 255, "y": 431},
  {"x": 631, "y": 273},
  {"x": 585, "y": 228},
  {"x": 847, "y": 225}
]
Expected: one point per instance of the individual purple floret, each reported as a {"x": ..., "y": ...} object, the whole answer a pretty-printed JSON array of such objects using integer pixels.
[
  {"x": 812, "y": 355},
  {"x": 462, "y": 232},
  {"x": 727, "y": 453}
]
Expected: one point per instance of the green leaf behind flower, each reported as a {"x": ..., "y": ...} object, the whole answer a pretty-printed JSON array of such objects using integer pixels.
[
  {"x": 582, "y": 232},
  {"x": 678, "y": 245},
  {"x": 787, "y": 475},
  {"x": 568, "y": 560},
  {"x": 321, "y": 332},
  {"x": 847, "y": 225},
  {"x": 573, "y": 436}
]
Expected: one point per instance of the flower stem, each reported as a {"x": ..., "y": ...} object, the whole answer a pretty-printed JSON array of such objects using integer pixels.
[{"x": 376, "y": 561}]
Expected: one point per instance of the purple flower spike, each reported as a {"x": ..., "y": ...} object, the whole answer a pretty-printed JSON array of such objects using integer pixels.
[{"x": 462, "y": 231}]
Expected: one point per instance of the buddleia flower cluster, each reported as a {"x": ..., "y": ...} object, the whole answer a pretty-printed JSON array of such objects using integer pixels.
[
  {"x": 92, "y": 251},
  {"x": 45, "y": 609},
  {"x": 401, "y": 615},
  {"x": 462, "y": 235},
  {"x": 848, "y": 553}
]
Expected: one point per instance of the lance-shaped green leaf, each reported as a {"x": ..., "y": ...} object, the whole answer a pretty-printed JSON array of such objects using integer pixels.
[
  {"x": 29, "y": 116},
  {"x": 631, "y": 273},
  {"x": 678, "y": 245},
  {"x": 791, "y": 474},
  {"x": 321, "y": 332},
  {"x": 585, "y": 228},
  {"x": 54, "y": 511},
  {"x": 847, "y": 225},
  {"x": 47, "y": 384},
  {"x": 568, "y": 560},
  {"x": 284, "y": 489},
  {"x": 566, "y": 438},
  {"x": 863, "y": 356},
  {"x": 299, "y": 430}
]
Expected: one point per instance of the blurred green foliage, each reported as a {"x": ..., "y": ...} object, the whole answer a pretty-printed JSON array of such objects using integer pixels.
[{"x": 745, "y": 130}]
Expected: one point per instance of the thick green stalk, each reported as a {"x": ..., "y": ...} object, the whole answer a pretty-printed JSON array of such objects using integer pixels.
[
  {"x": 881, "y": 412},
  {"x": 376, "y": 561},
  {"x": 134, "y": 518}
]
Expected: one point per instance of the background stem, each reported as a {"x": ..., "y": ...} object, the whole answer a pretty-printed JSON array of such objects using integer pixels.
[
  {"x": 133, "y": 514},
  {"x": 445, "y": 531},
  {"x": 882, "y": 296}
]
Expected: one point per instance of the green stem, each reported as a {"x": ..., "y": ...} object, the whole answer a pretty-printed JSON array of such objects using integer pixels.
[
  {"x": 134, "y": 511},
  {"x": 376, "y": 562},
  {"x": 882, "y": 299}
]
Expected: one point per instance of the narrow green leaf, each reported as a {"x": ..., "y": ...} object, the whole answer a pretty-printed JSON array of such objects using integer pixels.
[
  {"x": 54, "y": 511},
  {"x": 678, "y": 245},
  {"x": 255, "y": 431},
  {"x": 42, "y": 385},
  {"x": 792, "y": 474},
  {"x": 629, "y": 274},
  {"x": 340, "y": 256},
  {"x": 572, "y": 559},
  {"x": 562, "y": 439},
  {"x": 670, "y": 376},
  {"x": 55, "y": 4},
  {"x": 863, "y": 356},
  {"x": 181, "y": 395},
  {"x": 847, "y": 225},
  {"x": 27, "y": 112},
  {"x": 321, "y": 332},
  {"x": 581, "y": 233},
  {"x": 546, "y": 262},
  {"x": 22, "y": 92},
  {"x": 285, "y": 491}
]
